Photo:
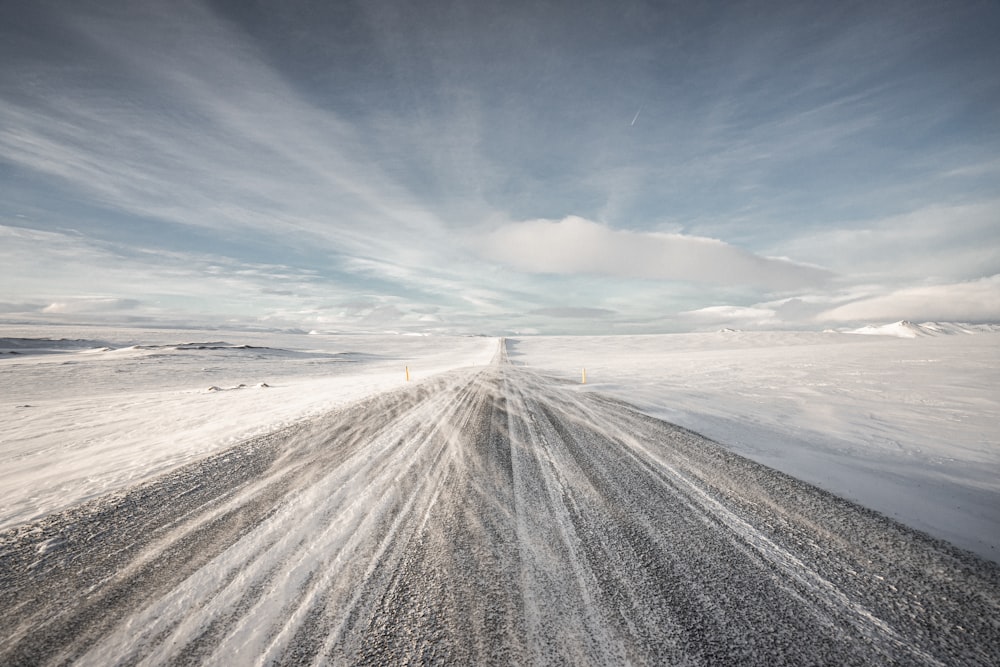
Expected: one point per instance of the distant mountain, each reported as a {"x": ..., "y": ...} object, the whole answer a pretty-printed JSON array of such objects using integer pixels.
[{"x": 904, "y": 329}]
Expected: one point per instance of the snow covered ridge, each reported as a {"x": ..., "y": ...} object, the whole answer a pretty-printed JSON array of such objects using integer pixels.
[
  {"x": 67, "y": 346},
  {"x": 49, "y": 345},
  {"x": 905, "y": 329}
]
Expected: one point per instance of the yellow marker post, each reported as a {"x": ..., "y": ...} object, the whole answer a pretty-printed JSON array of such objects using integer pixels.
[
  {"x": 407, "y": 373},
  {"x": 584, "y": 376}
]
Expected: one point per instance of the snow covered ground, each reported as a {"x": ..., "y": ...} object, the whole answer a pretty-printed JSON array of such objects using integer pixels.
[
  {"x": 907, "y": 426},
  {"x": 487, "y": 514},
  {"x": 907, "y": 422},
  {"x": 88, "y": 411}
]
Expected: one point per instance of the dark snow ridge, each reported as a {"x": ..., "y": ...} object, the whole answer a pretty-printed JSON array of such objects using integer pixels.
[
  {"x": 255, "y": 351},
  {"x": 259, "y": 385},
  {"x": 48, "y": 345},
  {"x": 214, "y": 345},
  {"x": 488, "y": 515}
]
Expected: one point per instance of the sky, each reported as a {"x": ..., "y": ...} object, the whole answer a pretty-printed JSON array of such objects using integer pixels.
[{"x": 499, "y": 168}]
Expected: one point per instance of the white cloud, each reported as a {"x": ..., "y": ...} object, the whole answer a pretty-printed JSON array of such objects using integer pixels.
[
  {"x": 173, "y": 112},
  {"x": 949, "y": 243},
  {"x": 736, "y": 316},
  {"x": 574, "y": 312},
  {"x": 95, "y": 304},
  {"x": 973, "y": 301},
  {"x": 85, "y": 280},
  {"x": 83, "y": 276},
  {"x": 213, "y": 137},
  {"x": 574, "y": 245}
]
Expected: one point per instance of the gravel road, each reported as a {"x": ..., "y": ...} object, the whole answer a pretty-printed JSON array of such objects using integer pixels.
[{"x": 488, "y": 515}]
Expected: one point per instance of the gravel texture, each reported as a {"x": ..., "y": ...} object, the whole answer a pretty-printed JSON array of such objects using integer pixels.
[{"x": 488, "y": 515}]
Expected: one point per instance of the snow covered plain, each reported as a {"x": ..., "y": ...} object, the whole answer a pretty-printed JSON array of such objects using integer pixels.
[
  {"x": 488, "y": 512},
  {"x": 905, "y": 422},
  {"x": 88, "y": 410}
]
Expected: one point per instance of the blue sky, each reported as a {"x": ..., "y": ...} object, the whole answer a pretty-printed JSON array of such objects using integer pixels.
[{"x": 561, "y": 167}]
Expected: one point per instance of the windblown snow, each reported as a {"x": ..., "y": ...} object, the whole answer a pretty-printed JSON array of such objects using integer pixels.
[
  {"x": 904, "y": 425},
  {"x": 907, "y": 426},
  {"x": 290, "y": 499},
  {"x": 91, "y": 411}
]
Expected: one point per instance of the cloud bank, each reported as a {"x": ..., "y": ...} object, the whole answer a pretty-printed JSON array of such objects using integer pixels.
[
  {"x": 574, "y": 245},
  {"x": 791, "y": 166},
  {"x": 754, "y": 317},
  {"x": 972, "y": 301}
]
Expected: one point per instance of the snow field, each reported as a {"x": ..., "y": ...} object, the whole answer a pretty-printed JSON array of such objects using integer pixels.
[
  {"x": 108, "y": 408},
  {"x": 490, "y": 513},
  {"x": 908, "y": 427},
  {"x": 904, "y": 425}
]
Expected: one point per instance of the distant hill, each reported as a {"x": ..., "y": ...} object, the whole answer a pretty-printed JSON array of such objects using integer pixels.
[{"x": 905, "y": 329}]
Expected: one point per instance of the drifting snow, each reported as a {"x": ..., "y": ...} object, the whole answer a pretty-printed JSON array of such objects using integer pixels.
[
  {"x": 905, "y": 426},
  {"x": 490, "y": 514},
  {"x": 91, "y": 411}
]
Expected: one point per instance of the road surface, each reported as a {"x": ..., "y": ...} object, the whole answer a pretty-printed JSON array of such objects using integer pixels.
[{"x": 488, "y": 515}]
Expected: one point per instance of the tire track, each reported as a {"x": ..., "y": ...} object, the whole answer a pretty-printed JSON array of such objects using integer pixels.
[{"x": 487, "y": 515}]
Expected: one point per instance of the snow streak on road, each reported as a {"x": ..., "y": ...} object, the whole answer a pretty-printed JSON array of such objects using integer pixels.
[{"x": 487, "y": 515}]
